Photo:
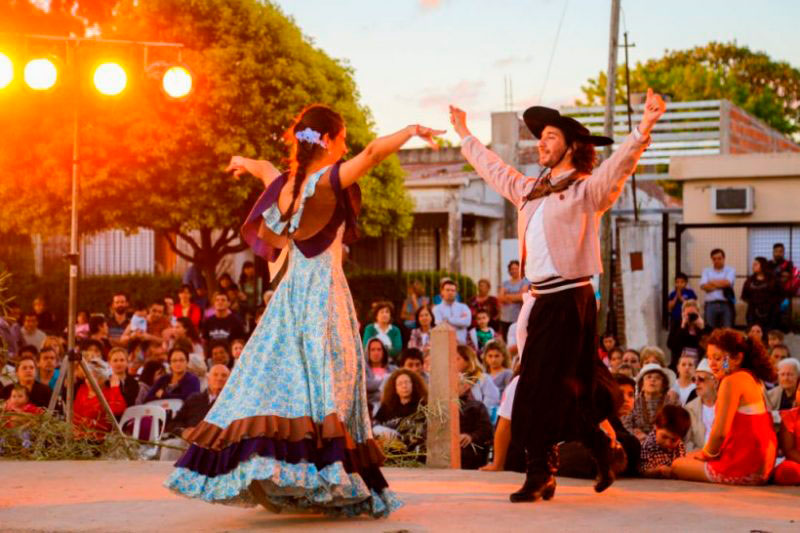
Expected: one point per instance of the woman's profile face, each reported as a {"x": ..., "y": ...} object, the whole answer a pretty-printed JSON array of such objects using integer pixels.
[
  {"x": 717, "y": 358},
  {"x": 337, "y": 147}
]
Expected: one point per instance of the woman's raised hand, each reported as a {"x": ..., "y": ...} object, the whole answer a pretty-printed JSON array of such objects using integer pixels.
[
  {"x": 237, "y": 166},
  {"x": 427, "y": 135}
]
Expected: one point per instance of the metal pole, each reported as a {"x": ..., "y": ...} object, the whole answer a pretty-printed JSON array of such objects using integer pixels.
[
  {"x": 630, "y": 124},
  {"x": 73, "y": 238},
  {"x": 608, "y": 130}
]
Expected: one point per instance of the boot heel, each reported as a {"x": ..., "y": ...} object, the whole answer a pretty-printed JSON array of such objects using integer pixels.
[{"x": 549, "y": 491}]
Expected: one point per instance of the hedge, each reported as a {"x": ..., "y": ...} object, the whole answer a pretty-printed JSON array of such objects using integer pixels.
[{"x": 94, "y": 293}]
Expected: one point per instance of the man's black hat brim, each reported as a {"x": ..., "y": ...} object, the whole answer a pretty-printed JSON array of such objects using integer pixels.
[{"x": 537, "y": 117}]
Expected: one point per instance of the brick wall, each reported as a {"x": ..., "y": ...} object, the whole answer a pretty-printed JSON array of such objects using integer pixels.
[{"x": 748, "y": 135}]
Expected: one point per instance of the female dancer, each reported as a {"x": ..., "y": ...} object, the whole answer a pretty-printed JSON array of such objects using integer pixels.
[{"x": 291, "y": 428}]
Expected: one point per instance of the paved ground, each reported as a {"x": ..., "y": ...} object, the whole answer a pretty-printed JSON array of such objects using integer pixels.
[{"x": 127, "y": 496}]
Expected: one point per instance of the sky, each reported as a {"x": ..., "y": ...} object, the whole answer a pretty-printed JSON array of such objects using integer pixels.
[{"x": 411, "y": 58}]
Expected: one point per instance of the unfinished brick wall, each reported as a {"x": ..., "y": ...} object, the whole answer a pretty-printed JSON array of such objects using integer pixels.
[{"x": 748, "y": 134}]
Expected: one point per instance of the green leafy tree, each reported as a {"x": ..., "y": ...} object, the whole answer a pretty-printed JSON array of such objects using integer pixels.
[
  {"x": 154, "y": 163},
  {"x": 768, "y": 89}
]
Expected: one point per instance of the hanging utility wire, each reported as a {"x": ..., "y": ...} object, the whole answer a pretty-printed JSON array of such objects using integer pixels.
[{"x": 553, "y": 50}]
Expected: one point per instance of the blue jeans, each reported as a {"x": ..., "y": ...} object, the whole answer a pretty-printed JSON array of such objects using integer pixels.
[{"x": 718, "y": 314}]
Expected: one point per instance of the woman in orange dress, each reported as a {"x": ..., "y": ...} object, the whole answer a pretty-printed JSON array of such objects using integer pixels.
[{"x": 742, "y": 445}]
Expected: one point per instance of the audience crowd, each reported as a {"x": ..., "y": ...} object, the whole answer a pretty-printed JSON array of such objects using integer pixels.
[{"x": 719, "y": 405}]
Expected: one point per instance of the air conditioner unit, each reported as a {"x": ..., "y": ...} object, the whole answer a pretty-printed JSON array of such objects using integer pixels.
[{"x": 731, "y": 200}]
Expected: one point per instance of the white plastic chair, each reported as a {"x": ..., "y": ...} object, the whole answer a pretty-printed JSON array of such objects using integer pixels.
[
  {"x": 171, "y": 405},
  {"x": 137, "y": 413}
]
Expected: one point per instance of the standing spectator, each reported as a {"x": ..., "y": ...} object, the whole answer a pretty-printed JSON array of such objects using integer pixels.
[
  {"x": 742, "y": 445},
  {"x": 383, "y": 329},
  {"x": 665, "y": 443},
  {"x": 498, "y": 364},
  {"x": 38, "y": 393},
  {"x": 684, "y": 386},
  {"x": 91, "y": 420},
  {"x": 250, "y": 288},
  {"x": 415, "y": 299},
  {"x": 421, "y": 335},
  {"x": 119, "y": 319},
  {"x": 452, "y": 312},
  {"x": 779, "y": 264},
  {"x": 675, "y": 300},
  {"x": 222, "y": 325},
  {"x": 482, "y": 333},
  {"x": 788, "y": 472},
  {"x": 47, "y": 373},
  {"x": 437, "y": 298},
  {"x": 483, "y": 301},
  {"x": 718, "y": 282},
  {"x": 762, "y": 295},
  {"x": 178, "y": 383},
  {"x": 701, "y": 409},
  {"x": 118, "y": 361},
  {"x": 782, "y": 397},
  {"x": 483, "y": 387},
  {"x": 475, "y": 428},
  {"x": 45, "y": 317},
  {"x": 689, "y": 332},
  {"x": 510, "y": 296},
  {"x": 653, "y": 382},
  {"x": 185, "y": 308},
  {"x": 30, "y": 332},
  {"x": 194, "y": 278}
]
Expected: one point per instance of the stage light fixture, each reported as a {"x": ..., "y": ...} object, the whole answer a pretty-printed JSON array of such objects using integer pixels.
[
  {"x": 110, "y": 79},
  {"x": 177, "y": 82},
  {"x": 6, "y": 71},
  {"x": 40, "y": 74}
]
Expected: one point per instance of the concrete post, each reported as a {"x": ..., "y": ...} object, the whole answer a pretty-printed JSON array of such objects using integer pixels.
[
  {"x": 454, "y": 219},
  {"x": 443, "y": 424}
]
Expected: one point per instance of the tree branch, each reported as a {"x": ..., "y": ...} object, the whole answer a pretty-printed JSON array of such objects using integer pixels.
[
  {"x": 188, "y": 239},
  {"x": 174, "y": 247},
  {"x": 222, "y": 240},
  {"x": 241, "y": 247}
]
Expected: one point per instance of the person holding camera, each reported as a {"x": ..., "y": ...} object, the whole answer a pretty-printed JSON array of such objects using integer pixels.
[{"x": 692, "y": 327}]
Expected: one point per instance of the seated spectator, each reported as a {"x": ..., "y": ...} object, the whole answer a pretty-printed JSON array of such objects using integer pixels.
[
  {"x": 18, "y": 402},
  {"x": 415, "y": 299},
  {"x": 453, "y": 312},
  {"x": 383, "y": 329},
  {"x": 151, "y": 328},
  {"x": 81, "y": 324},
  {"x": 742, "y": 445},
  {"x": 151, "y": 371},
  {"x": 757, "y": 332},
  {"x": 412, "y": 359},
  {"x": 47, "y": 373},
  {"x": 608, "y": 343},
  {"x": 653, "y": 355},
  {"x": 220, "y": 354},
  {"x": 45, "y": 317},
  {"x": 497, "y": 362},
  {"x": 178, "y": 383},
  {"x": 684, "y": 386},
  {"x": 482, "y": 333},
  {"x": 483, "y": 301},
  {"x": 118, "y": 361},
  {"x": 185, "y": 308},
  {"x": 421, "y": 335},
  {"x": 483, "y": 387},
  {"x": 92, "y": 349},
  {"x": 38, "y": 393},
  {"x": 236, "y": 298},
  {"x": 774, "y": 337},
  {"x": 688, "y": 333},
  {"x": 378, "y": 370},
  {"x": 778, "y": 353},
  {"x": 119, "y": 317},
  {"x": 782, "y": 397},
  {"x": 90, "y": 420},
  {"x": 625, "y": 370},
  {"x": 788, "y": 472},
  {"x": 402, "y": 395},
  {"x": 98, "y": 331},
  {"x": 193, "y": 411},
  {"x": 507, "y": 454},
  {"x": 632, "y": 358},
  {"x": 237, "y": 346},
  {"x": 665, "y": 443},
  {"x": 30, "y": 333},
  {"x": 628, "y": 442},
  {"x": 222, "y": 325},
  {"x": 653, "y": 383},
  {"x": 615, "y": 359},
  {"x": 474, "y": 427},
  {"x": 184, "y": 328},
  {"x": 701, "y": 409}
]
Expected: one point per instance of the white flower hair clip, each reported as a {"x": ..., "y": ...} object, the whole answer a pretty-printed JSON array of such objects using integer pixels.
[{"x": 310, "y": 136}]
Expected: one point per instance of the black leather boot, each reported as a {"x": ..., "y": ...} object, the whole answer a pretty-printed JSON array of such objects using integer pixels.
[
  {"x": 600, "y": 446},
  {"x": 539, "y": 481}
]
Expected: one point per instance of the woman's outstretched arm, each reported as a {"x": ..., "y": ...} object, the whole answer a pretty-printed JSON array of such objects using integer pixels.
[
  {"x": 381, "y": 148},
  {"x": 263, "y": 170}
]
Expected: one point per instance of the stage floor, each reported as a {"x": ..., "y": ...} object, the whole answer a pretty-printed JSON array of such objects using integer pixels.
[{"x": 109, "y": 496}]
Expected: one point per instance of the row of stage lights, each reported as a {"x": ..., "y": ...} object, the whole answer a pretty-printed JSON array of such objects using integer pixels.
[{"x": 41, "y": 74}]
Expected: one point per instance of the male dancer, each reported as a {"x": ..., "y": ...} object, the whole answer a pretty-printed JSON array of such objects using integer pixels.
[{"x": 564, "y": 391}]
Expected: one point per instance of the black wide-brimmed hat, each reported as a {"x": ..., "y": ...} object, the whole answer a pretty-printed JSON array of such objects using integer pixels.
[{"x": 537, "y": 117}]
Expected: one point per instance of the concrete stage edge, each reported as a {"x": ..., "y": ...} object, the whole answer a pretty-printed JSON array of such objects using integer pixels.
[{"x": 107, "y": 496}]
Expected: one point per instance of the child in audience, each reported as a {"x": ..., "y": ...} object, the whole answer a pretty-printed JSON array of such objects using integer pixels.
[
  {"x": 139, "y": 318},
  {"x": 482, "y": 333},
  {"x": 774, "y": 337},
  {"x": 665, "y": 443},
  {"x": 497, "y": 362},
  {"x": 614, "y": 359}
]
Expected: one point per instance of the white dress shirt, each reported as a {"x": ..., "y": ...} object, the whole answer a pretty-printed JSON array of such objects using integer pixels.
[{"x": 538, "y": 263}]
